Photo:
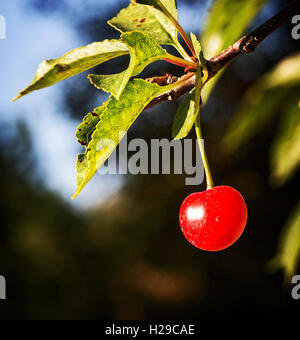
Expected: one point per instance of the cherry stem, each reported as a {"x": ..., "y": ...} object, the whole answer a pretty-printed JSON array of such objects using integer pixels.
[
  {"x": 209, "y": 179},
  {"x": 181, "y": 62},
  {"x": 184, "y": 36},
  {"x": 182, "y": 51},
  {"x": 179, "y": 28}
]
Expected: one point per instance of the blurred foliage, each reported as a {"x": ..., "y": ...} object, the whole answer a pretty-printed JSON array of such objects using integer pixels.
[
  {"x": 289, "y": 247},
  {"x": 277, "y": 91},
  {"x": 279, "y": 88},
  {"x": 221, "y": 31},
  {"x": 285, "y": 154}
]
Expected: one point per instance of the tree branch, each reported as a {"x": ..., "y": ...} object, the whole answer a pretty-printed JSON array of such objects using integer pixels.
[
  {"x": 246, "y": 44},
  {"x": 251, "y": 41}
]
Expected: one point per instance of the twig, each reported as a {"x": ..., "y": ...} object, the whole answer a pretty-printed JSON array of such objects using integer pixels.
[
  {"x": 246, "y": 44},
  {"x": 177, "y": 92}
]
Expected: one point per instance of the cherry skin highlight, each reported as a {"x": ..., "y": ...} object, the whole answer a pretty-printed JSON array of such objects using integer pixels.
[{"x": 214, "y": 219}]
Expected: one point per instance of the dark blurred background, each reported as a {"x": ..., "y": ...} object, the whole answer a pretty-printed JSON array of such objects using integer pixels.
[{"x": 118, "y": 252}]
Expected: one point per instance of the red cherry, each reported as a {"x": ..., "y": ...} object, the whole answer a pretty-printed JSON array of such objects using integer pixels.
[{"x": 213, "y": 220}]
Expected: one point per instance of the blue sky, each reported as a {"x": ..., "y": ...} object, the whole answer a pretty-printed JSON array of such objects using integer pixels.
[{"x": 31, "y": 37}]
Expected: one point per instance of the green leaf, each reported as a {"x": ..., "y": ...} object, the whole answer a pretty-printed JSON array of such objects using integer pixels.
[
  {"x": 116, "y": 119},
  {"x": 263, "y": 101},
  {"x": 285, "y": 152},
  {"x": 111, "y": 83},
  {"x": 188, "y": 111},
  {"x": 289, "y": 246},
  {"x": 143, "y": 51},
  {"x": 198, "y": 49},
  {"x": 88, "y": 125},
  {"x": 196, "y": 44},
  {"x": 76, "y": 61},
  {"x": 184, "y": 118},
  {"x": 148, "y": 20},
  {"x": 164, "y": 6}
]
